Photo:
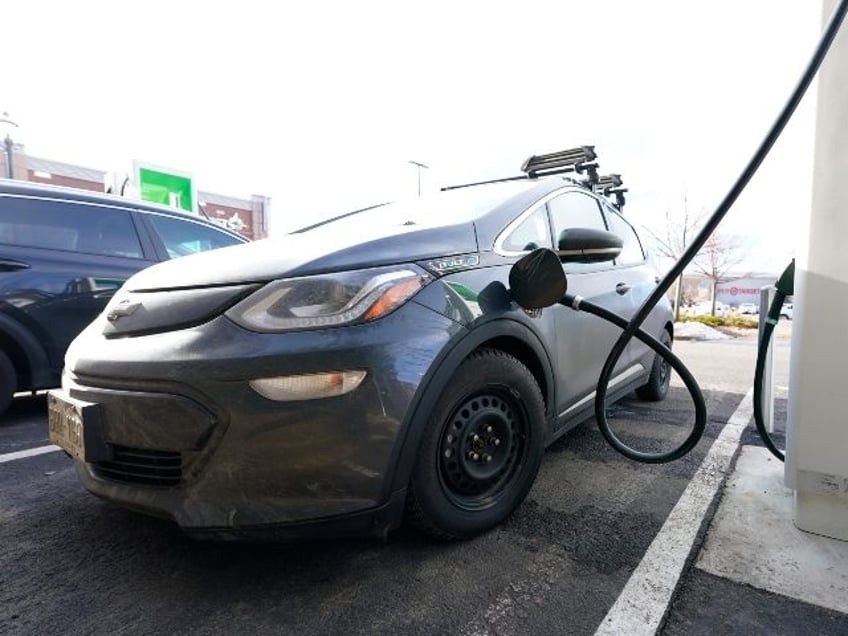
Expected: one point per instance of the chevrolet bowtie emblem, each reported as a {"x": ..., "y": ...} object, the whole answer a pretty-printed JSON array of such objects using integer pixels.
[{"x": 123, "y": 308}]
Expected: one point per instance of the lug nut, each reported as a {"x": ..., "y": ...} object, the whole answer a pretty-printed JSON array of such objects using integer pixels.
[
  {"x": 488, "y": 458},
  {"x": 475, "y": 437},
  {"x": 475, "y": 457},
  {"x": 496, "y": 442},
  {"x": 450, "y": 439},
  {"x": 448, "y": 453},
  {"x": 488, "y": 429}
]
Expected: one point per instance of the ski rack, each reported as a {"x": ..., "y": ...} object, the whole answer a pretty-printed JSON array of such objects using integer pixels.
[
  {"x": 611, "y": 184},
  {"x": 577, "y": 160},
  {"x": 580, "y": 160}
]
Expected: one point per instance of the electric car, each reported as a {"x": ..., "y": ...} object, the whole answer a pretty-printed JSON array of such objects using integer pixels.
[{"x": 362, "y": 371}]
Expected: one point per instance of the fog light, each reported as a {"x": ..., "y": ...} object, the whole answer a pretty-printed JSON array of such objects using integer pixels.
[{"x": 309, "y": 386}]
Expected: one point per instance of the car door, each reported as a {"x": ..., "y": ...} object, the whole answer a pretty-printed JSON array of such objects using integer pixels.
[
  {"x": 637, "y": 280},
  {"x": 62, "y": 261},
  {"x": 583, "y": 340}
]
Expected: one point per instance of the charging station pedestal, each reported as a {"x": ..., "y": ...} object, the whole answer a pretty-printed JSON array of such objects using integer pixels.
[{"x": 817, "y": 431}]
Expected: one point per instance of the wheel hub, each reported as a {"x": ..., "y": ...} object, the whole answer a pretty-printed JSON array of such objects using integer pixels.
[{"x": 478, "y": 450}]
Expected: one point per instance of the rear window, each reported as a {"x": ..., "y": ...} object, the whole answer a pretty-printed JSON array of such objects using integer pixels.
[{"x": 182, "y": 236}]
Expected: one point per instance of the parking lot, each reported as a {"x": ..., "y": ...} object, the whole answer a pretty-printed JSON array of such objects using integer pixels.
[{"x": 558, "y": 565}]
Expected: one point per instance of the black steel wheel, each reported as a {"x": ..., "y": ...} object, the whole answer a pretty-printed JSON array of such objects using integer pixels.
[
  {"x": 482, "y": 449},
  {"x": 656, "y": 388}
]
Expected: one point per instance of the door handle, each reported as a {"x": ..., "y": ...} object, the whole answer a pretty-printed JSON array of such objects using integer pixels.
[
  {"x": 622, "y": 288},
  {"x": 8, "y": 265}
]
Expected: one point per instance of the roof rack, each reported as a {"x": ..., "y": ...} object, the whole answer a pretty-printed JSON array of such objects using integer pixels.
[
  {"x": 574, "y": 160},
  {"x": 577, "y": 160},
  {"x": 611, "y": 184}
]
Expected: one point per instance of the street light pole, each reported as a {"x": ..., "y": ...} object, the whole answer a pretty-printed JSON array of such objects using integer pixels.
[
  {"x": 419, "y": 165},
  {"x": 9, "y": 144}
]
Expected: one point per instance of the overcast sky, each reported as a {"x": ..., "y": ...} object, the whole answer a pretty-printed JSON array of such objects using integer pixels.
[{"x": 322, "y": 105}]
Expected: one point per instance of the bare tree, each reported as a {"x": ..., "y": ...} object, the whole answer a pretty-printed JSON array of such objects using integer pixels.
[
  {"x": 673, "y": 241},
  {"x": 720, "y": 254}
]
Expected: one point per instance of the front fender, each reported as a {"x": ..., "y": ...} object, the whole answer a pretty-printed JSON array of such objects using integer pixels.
[{"x": 500, "y": 331}]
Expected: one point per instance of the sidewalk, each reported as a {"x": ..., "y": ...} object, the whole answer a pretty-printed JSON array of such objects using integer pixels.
[{"x": 756, "y": 573}]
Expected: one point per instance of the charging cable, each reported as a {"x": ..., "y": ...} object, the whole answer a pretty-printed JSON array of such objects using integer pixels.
[
  {"x": 785, "y": 286},
  {"x": 632, "y": 328}
]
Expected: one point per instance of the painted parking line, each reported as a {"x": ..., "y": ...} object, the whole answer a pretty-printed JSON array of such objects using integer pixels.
[
  {"x": 32, "y": 452},
  {"x": 644, "y": 601}
]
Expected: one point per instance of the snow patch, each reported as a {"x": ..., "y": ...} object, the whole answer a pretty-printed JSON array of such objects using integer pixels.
[{"x": 697, "y": 331}]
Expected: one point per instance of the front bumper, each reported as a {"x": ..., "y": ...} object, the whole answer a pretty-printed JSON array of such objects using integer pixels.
[{"x": 191, "y": 441}]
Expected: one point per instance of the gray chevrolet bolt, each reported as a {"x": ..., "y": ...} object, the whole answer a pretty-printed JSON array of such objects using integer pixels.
[{"x": 363, "y": 371}]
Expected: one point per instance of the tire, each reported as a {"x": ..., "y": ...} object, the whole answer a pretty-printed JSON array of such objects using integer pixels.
[
  {"x": 481, "y": 451},
  {"x": 656, "y": 388},
  {"x": 8, "y": 382}
]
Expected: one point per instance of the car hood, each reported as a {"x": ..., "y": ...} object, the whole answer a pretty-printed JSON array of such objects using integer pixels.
[{"x": 318, "y": 251}]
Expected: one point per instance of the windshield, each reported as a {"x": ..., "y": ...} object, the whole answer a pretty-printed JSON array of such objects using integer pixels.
[{"x": 433, "y": 210}]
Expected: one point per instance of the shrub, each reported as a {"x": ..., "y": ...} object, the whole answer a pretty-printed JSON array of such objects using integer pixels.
[
  {"x": 712, "y": 321},
  {"x": 717, "y": 321},
  {"x": 742, "y": 321}
]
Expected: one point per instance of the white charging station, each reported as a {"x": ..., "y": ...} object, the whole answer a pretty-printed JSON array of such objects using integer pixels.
[{"x": 817, "y": 424}]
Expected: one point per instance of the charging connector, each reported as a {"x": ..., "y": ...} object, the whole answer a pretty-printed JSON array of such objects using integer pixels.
[{"x": 785, "y": 286}]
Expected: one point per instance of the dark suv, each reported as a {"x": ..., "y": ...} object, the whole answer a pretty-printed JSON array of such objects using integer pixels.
[{"x": 63, "y": 254}]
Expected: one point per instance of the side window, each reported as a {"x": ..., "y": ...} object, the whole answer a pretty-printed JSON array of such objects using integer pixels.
[
  {"x": 68, "y": 225},
  {"x": 182, "y": 237},
  {"x": 532, "y": 233},
  {"x": 631, "y": 251},
  {"x": 575, "y": 209}
]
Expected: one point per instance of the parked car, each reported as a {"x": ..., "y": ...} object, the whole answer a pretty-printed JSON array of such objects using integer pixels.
[
  {"x": 705, "y": 308},
  {"x": 363, "y": 370},
  {"x": 786, "y": 310},
  {"x": 63, "y": 254},
  {"x": 748, "y": 309}
]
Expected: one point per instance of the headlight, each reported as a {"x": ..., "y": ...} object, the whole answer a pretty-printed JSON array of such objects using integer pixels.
[{"x": 328, "y": 300}]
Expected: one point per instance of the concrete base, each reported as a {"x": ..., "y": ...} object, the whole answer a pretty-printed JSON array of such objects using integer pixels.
[
  {"x": 753, "y": 541},
  {"x": 821, "y": 514}
]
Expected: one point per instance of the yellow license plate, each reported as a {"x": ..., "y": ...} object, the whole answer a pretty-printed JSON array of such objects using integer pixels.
[{"x": 66, "y": 422}]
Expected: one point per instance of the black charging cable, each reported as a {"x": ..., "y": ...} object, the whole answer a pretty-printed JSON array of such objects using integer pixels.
[
  {"x": 581, "y": 304},
  {"x": 632, "y": 327},
  {"x": 785, "y": 286}
]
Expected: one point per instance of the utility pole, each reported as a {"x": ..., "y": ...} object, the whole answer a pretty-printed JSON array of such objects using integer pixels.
[
  {"x": 419, "y": 165},
  {"x": 8, "y": 124}
]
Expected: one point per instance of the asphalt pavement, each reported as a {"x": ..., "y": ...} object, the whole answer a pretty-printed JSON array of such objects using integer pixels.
[
  {"x": 753, "y": 571},
  {"x": 602, "y": 545}
]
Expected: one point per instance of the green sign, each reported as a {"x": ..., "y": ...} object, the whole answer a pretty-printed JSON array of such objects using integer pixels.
[{"x": 163, "y": 187}]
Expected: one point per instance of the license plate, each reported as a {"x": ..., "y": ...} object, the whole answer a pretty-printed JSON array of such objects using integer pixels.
[{"x": 66, "y": 421}]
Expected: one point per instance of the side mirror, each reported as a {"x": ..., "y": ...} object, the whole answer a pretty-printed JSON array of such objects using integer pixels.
[
  {"x": 586, "y": 245},
  {"x": 537, "y": 280}
]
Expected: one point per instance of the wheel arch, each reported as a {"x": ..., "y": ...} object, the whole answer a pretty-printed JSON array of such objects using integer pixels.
[
  {"x": 509, "y": 336},
  {"x": 26, "y": 354}
]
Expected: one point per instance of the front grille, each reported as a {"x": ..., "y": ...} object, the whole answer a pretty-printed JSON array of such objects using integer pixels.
[{"x": 142, "y": 466}]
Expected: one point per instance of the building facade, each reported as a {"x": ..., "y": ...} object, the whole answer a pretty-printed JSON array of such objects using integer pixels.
[
  {"x": 732, "y": 292},
  {"x": 248, "y": 217}
]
